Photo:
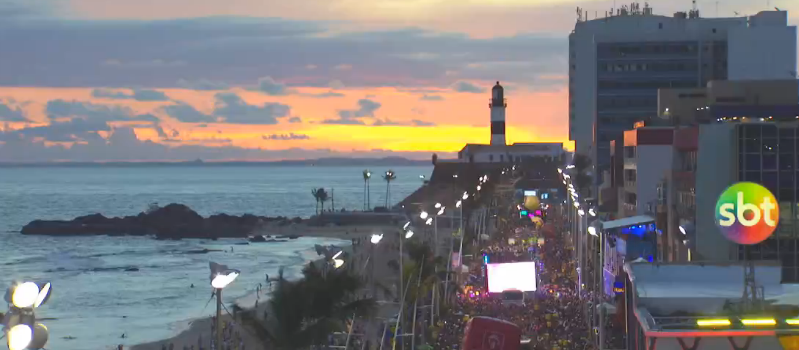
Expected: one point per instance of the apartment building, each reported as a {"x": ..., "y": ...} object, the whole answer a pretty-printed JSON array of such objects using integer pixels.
[{"x": 617, "y": 64}]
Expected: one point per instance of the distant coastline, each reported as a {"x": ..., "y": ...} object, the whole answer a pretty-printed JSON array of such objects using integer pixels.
[{"x": 386, "y": 161}]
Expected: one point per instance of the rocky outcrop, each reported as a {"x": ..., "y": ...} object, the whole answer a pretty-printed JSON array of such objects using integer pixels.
[{"x": 174, "y": 221}]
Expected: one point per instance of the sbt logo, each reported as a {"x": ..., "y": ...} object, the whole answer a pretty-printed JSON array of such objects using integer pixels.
[{"x": 747, "y": 213}]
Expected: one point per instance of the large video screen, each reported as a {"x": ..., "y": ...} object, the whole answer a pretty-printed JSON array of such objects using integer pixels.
[{"x": 519, "y": 275}]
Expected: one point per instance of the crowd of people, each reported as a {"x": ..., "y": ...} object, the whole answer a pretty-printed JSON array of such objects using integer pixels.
[{"x": 552, "y": 318}]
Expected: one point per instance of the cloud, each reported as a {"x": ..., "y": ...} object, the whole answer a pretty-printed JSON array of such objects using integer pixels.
[
  {"x": 202, "y": 85},
  {"x": 413, "y": 122},
  {"x": 328, "y": 94},
  {"x": 104, "y": 113},
  {"x": 271, "y": 87},
  {"x": 236, "y": 111},
  {"x": 188, "y": 114},
  {"x": 343, "y": 122},
  {"x": 417, "y": 122},
  {"x": 427, "y": 97},
  {"x": 213, "y": 53},
  {"x": 465, "y": 86},
  {"x": 286, "y": 137},
  {"x": 12, "y": 114},
  {"x": 295, "y": 120},
  {"x": 75, "y": 130},
  {"x": 123, "y": 144},
  {"x": 366, "y": 108},
  {"x": 230, "y": 108},
  {"x": 138, "y": 95}
]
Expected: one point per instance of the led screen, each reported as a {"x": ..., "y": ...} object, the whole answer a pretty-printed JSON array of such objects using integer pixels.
[{"x": 518, "y": 275}]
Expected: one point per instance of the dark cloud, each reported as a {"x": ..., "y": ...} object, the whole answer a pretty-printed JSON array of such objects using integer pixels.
[
  {"x": 211, "y": 53},
  {"x": 366, "y": 108},
  {"x": 325, "y": 94},
  {"x": 427, "y": 97},
  {"x": 343, "y": 122},
  {"x": 123, "y": 145},
  {"x": 271, "y": 87},
  {"x": 286, "y": 137},
  {"x": 229, "y": 108},
  {"x": 12, "y": 114},
  {"x": 137, "y": 94},
  {"x": 295, "y": 120},
  {"x": 187, "y": 113},
  {"x": 202, "y": 84},
  {"x": 95, "y": 112},
  {"x": 413, "y": 122},
  {"x": 74, "y": 130},
  {"x": 236, "y": 111},
  {"x": 465, "y": 86}
]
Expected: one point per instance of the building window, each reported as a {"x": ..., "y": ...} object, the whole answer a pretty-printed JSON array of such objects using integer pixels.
[
  {"x": 501, "y": 157},
  {"x": 490, "y": 157},
  {"x": 629, "y": 152},
  {"x": 629, "y": 175}
]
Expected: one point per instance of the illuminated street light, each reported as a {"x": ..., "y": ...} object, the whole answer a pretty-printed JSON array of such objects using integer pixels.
[
  {"x": 592, "y": 230},
  {"x": 560, "y": 171},
  {"x": 408, "y": 234},
  {"x": 458, "y": 204},
  {"x": 222, "y": 276},
  {"x": 577, "y": 204},
  {"x": 566, "y": 176},
  {"x": 478, "y": 187},
  {"x": 429, "y": 221},
  {"x": 581, "y": 212},
  {"x": 465, "y": 196},
  {"x": 591, "y": 212},
  {"x": 407, "y": 224},
  {"x": 376, "y": 238},
  {"x": 441, "y": 211},
  {"x": 20, "y": 324},
  {"x": 438, "y": 205},
  {"x": 423, "y": 215}
]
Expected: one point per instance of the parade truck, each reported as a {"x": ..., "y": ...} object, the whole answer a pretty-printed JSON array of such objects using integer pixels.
[{"x": 486, "y": 333}]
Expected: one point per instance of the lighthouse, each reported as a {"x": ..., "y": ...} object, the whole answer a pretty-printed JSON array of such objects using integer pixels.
[{"x": 497, "y": 106}]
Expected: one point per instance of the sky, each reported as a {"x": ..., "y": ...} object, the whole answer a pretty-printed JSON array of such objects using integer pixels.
[{"x": 139, "y": 80}]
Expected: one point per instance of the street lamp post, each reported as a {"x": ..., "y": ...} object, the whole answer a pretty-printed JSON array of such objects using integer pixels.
[
  {"x": 22, "y": 331},
  {"x": 221, "y": 277}
]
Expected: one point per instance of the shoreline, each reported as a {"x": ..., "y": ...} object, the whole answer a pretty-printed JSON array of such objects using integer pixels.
[{"x": 199, "y": 328}]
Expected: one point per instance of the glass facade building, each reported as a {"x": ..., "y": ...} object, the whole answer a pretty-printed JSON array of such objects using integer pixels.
[
  {"x": 629, "y": 75},
  {"x": 767, "y": 154}
]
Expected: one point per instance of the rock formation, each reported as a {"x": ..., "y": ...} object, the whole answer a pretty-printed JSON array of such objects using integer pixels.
[{"x": 174, "y": 221}]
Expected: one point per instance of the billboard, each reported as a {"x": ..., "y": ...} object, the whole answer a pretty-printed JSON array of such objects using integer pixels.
[
  {"x": 747, "y": 213},
  {"x": 512, "y": 276},
  {"x": 485, "y": 333}
]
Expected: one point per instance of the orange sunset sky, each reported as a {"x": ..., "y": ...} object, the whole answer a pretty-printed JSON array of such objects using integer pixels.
[{"x": 99, "y": 80}]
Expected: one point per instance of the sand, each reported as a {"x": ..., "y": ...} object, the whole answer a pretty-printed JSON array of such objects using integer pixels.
[{"x": 387, "y": 250}]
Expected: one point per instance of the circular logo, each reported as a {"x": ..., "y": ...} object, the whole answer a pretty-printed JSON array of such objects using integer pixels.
[{"x": 747, "y": 213}]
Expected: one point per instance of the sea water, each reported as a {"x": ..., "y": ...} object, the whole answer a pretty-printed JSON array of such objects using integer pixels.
[{"x": 104, "y": 287}]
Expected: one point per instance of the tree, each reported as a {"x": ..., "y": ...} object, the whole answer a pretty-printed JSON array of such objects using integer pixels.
[
  {"x": 304, "y": 312},
  {"x": 389, "y": 176},
  {"x": 366, "y": 191},
  {"x": 323, "y": 197},
  {"x": 315, "y": 194}
]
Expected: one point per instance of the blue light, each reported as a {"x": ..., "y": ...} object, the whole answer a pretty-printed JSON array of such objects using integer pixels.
[
  {"x": 485, "y": 258},
  {"x": 650, "y": 258}
]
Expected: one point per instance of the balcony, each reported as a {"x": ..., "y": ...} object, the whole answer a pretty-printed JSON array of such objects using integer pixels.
[
  {"x": 630, "y": 186},
  {"x": 491, "y": 102}
]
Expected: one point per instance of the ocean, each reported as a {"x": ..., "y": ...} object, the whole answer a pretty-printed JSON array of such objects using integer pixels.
[{"x": 95, "y": 300}]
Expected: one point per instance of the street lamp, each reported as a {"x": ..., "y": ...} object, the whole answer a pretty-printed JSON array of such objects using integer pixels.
[
  {"x": 438, "y": 205},
  {"x": 376, "y": 238},
  {"x": 221, "y": 277},
  {"x": 465, "y": 195},
  {"x": 581, "y": 212},
  {"x": 423, "y": 215},
  {"x": 592, "y": 212},
  {"x": 479, "y": 187},
  {"x": 20, "y": 322}
]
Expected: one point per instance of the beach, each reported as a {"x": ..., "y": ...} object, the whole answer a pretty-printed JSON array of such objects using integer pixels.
[{"x": 199, "y": 330}]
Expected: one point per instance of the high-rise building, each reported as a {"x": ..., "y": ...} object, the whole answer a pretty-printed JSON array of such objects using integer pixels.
[{"x": 617, "y": 64}]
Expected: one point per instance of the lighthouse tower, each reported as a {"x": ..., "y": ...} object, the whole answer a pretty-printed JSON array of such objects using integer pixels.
[{"x": 497, "y": 106}]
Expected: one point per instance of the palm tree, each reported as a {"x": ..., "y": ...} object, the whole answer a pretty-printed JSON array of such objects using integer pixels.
[
  {"x": 389, "y": 176},
  {"x": 366, "y": 192},
  {"x": 306, "y": 311},
  {"x": 425, "y": 268},
  {"x": 315, "y": 193},
  {"x": 323, "y": 197}
]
